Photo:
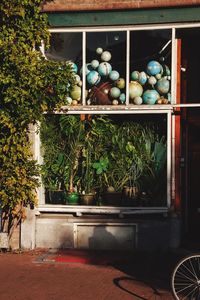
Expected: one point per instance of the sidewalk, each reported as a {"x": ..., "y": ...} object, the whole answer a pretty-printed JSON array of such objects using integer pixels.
[{"x": 38, "y": 275}]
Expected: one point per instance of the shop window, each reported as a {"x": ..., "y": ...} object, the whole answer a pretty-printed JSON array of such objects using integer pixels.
[
  {"x": 116, "y": 68},
  {"x": 99, "y": 152},
  {"x": 105, "y": 160}
]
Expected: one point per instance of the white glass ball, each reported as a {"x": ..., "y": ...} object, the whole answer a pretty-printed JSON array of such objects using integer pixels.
[{"x": 106, "y": 56}]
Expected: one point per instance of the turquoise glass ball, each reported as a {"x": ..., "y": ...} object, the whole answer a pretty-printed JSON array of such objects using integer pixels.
[
  {"x": 74, "y": 67},
  {"x": 115, "y": 92},
  {"x": 153, "y": 67},
  {"x": 114, "y": 75},
  {"x": 135, "y": 89},
  {"x": 142, "y": 78},
  {"x": 150, "y": 97},
  {"x": 135, "y": 75},
  {"x": 93, "y": 77},
  {"x": 88, "y": 68},
  {"x": 122, "y": 98},
  {"x": 104, "y": 69},
  {"x": 94, "y": 63},
  {"x": 106, "y": 56},
  {"x": 162, "y": 86},
  {"x": 166, "y": 70}
]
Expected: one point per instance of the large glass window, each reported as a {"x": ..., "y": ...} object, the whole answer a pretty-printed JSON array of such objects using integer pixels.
[
  {"x": 105, "y": 160},
  {"x": 122, "y": 67},
  {"x": 121, "y": 158}
]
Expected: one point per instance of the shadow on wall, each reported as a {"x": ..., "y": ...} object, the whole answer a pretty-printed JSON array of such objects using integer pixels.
[{"x": 103, "y": 239}]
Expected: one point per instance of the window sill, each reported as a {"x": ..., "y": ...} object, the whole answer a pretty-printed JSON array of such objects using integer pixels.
[
  {"x": 108, "y": 210},
  {"x": 115, "y": 108}
]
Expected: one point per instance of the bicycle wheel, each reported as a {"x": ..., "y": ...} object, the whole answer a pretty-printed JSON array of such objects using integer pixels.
[{"x": 185, "y": 281}]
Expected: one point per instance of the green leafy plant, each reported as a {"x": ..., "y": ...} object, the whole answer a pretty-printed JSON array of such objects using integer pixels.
[
  {"x": 29, "y": 86},
  {"x": 102, "y": 165}
]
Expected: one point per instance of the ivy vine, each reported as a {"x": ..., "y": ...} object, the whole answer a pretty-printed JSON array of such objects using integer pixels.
[{"x": 29, "y": 86}]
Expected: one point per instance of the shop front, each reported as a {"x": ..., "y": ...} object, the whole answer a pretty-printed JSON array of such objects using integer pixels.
[{"x": 110, "y": 158}]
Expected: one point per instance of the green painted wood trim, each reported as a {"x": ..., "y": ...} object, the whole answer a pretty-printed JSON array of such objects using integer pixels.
[{"x": 128, "y": 17}]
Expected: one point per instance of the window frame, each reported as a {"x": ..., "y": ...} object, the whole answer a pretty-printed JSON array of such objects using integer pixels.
[{"x": 126, "y": 109}]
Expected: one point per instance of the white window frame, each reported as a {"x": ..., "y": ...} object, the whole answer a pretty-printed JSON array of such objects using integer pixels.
[{"x": 126, "y": 109}]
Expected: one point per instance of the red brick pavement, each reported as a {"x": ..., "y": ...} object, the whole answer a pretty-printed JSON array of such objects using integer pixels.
[{"x": 27, "y": 276}]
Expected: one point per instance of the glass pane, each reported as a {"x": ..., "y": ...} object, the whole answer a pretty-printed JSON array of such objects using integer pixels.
[
  {"x": 190, "y": 64},
  {"x": 105, "y": 68},
  {"x": 128, "y": 168},
  {"x": 150, "y": 64},
  {"x": 67, "y": 46}
]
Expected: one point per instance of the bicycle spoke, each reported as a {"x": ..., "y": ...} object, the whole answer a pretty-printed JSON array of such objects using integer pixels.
[{"x": 186, "y": 279}]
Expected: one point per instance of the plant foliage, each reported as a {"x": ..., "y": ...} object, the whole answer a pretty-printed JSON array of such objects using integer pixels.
[{"x": 29, "y": 86}]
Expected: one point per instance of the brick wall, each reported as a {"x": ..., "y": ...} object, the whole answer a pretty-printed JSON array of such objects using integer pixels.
[{"x": 80, "y": 5}]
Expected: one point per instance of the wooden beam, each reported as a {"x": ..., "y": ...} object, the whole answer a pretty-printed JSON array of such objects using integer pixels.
[{"x": 125, "y": 17}]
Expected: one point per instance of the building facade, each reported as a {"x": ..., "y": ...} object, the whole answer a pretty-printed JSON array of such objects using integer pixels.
[{"x": 136, "y": 65}]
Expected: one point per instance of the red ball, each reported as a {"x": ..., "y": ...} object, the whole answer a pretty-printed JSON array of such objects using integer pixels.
[{"x": 100, "y": 94}]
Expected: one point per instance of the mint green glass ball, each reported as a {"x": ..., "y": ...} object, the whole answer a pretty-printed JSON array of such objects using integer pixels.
[
  {"x": 135, "y": 75},
  {"x": 114, "y": 75},
  {"x": 115, "y": 92}
]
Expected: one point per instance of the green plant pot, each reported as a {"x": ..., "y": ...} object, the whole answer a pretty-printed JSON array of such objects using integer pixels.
[{"x": 72, "y": 198}]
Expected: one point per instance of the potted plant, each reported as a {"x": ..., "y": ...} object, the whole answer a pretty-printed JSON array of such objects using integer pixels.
[
  {"x": 53, "y": 167},
  {"x": 87, "y": 177},
  {"x": 73, "y": 132}
]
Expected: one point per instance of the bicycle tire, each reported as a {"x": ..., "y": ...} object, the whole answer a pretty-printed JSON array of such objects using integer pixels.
[{"x": 185, "y": 280}]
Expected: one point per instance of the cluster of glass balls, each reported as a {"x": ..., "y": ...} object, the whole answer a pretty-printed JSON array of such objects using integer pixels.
[
  {"x": 105, "y": 86},
  {"x": 152, "y": 86},
  {"x": 99, "y": 71}
]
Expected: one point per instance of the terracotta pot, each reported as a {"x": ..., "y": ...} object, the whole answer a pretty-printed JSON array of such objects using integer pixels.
[{"x": 88, "y": 199}]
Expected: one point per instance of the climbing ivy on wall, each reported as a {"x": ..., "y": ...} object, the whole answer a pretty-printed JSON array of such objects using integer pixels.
[{"x": 29, "y": 86}]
